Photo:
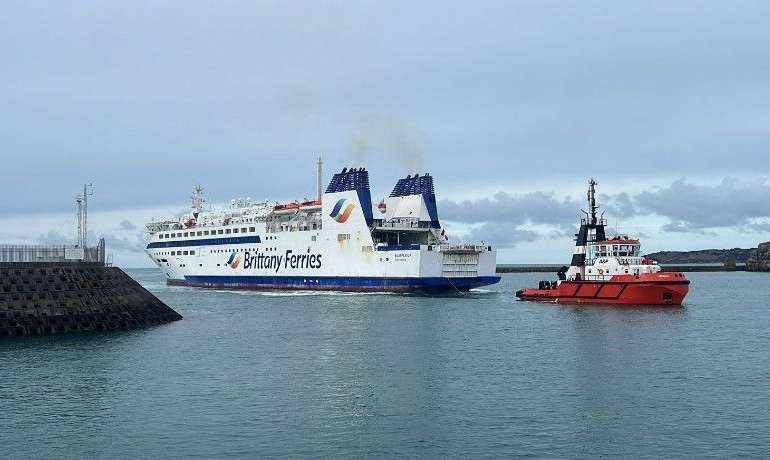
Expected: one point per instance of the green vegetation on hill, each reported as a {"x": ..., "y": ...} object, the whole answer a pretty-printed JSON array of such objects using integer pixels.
[
  {"x": 703, "y": 256},
  {"x": 755, "y": 259}
]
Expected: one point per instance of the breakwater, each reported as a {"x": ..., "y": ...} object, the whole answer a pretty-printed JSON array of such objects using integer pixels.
[{"x": 51, "y": 297}]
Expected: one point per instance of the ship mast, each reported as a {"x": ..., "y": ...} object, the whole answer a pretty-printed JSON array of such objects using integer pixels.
[
  {"x": 197, "y": 200},
  {"x": 591, "y": 228},
  {"x": 592, "y": 200},
  {"x": 318, "y": 179}
]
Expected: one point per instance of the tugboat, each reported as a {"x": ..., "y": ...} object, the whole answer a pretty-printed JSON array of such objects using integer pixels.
[{"x": 609, "y": 271}]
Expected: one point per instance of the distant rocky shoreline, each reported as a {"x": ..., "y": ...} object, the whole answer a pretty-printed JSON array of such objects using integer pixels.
[
  {"x": 705, "y": 260},
  {"x": 666, "y": 267},
  {"x": 754, "y": 259}
]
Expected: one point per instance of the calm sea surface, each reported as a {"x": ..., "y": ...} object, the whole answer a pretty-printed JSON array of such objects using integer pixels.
[{"x": 481, "y": 375}]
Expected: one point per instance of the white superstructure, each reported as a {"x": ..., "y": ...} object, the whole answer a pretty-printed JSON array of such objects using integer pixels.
[{"x": 341, "y": 241}]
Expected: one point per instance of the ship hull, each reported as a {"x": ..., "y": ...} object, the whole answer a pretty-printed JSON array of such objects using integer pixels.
[
  {"x": 431, "y": 285},
  {"x": 664, "y": 289}
]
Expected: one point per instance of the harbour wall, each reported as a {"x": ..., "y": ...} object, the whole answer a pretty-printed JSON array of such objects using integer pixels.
[{"x": 58, "y": 297}]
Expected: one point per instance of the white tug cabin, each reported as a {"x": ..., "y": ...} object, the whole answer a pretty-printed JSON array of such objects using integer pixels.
[{"x": 607, "y": 258}]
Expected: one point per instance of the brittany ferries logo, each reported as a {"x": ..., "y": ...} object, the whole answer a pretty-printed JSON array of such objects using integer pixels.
[
  {"x": 233, "y": 262},
  {"x": 339, "y": 214}
]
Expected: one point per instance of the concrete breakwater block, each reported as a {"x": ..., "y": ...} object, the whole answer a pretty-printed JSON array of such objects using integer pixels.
[{"x": 70, "y": 298}]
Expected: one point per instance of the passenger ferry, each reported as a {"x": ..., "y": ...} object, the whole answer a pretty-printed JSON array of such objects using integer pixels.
[{"x": 339, "y": 241}]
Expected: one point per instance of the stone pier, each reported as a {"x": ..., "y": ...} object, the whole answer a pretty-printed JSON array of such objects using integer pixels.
[{"x": 60, "y": 298}]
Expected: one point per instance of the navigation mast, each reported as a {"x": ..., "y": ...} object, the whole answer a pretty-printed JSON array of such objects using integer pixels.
[
  {"x": 318, "y": 179},
  {"x": 82, "y": 201}
]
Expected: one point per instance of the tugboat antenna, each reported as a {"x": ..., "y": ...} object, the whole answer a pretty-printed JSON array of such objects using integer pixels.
[{"x": 592, "y": 200}]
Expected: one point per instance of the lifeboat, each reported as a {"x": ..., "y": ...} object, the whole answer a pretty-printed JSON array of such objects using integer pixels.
[
  {"x": 310, "y": 205},
  {"x": 382, "y": 206},
  {"x": 609, "y": 271},
  {"x": 286, "y": 208}
]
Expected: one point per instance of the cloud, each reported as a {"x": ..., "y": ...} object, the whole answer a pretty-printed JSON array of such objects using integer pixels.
[
  {"x": 508, "y": 220},
  {"x": 127, "y": 225},
  {"x": 113, "y": 242},
  {"x": 620, "y": 205},
  {"x": 53, "y": 237},
  {"x": 535, "y": 207},
  {"x": 760, "y": 226},
  {"x": 499, "y": 235},
  {"x": 119, "y": 244},
  {"x": 692, "y": 207},
  {"x": 685, "y": 227}
]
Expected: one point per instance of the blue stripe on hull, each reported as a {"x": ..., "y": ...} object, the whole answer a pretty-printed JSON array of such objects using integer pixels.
[{"x": 363, "y": 284}]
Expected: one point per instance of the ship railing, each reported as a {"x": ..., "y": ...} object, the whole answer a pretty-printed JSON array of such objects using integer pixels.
[
  {"x": 402, "y": 223},
  {"x": 602, "y": 222},
  {"x": 464, "y": 248},
  {"x": 165, "y": 225}
]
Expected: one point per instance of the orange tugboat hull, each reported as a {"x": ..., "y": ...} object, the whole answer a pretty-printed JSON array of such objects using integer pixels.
[{"x": 663, "y": 288}]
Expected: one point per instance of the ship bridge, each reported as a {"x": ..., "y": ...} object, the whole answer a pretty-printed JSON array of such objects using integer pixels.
[{"x": 410, "y": 215}]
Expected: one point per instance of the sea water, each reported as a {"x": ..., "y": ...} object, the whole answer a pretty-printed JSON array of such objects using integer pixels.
[{"x": 346, "y": 376}]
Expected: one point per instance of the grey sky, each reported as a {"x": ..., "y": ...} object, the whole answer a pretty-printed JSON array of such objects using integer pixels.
[{"x": 511, "y": 105}]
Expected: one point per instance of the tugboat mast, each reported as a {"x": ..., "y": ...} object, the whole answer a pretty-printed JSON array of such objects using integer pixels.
[{"x": 592, "y": 200}]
